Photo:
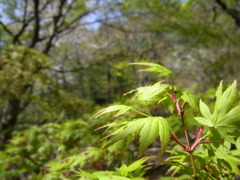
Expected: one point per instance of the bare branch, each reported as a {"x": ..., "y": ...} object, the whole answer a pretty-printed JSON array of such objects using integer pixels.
[
  {"x": 44, "y": 6},
  {"x": 37, "y": 24},
  {"x": 9, "y": 31},
  {"x": 25, "y": 10},
  {"x": 72, "y": 25},
  {"x": 55, "y": 27},
  {"x": 6, "y": 29},
  {"x": 67, "y": 12}
]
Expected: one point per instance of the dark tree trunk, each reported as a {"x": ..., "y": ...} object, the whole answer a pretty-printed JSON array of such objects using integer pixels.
[
  {"x": 109, "y": 80},
  {"x": 8, "y": 120}
]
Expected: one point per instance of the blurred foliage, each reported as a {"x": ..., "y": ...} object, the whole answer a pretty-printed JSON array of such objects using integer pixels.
[
  {"x": 20, "y": 68},
  {"x": 87, "y": 67}
]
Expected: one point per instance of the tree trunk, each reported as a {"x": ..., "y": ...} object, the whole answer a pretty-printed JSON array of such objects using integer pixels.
[
  {"x": 8, "y": 120},
  {"x": 109, "y": 80}
]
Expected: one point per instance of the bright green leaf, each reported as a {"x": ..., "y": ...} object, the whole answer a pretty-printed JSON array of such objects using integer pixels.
[
  {"x": 148, "y": 128},
  {"x": 238, "y": 144},
  {"x": 164, "y": 133},
  {"x": 218, "y": 96},
  {"x": 148, "y": 133},
  {"x": 131, "y": 128},
  {"x": 231, "y": 117},
  {"x": 151, "y": 93},
  {"x": 204, "y": 121},
  {"x": 204, "y": 110},
  {"x": 155, "y": 68},
  {"x": 86, "y": 174},
  {"x": 224, "y": 103},
  {"x": 191, "y": 99},
  {"x": 137, "y": 164},
  {"x": 120, "y": 108}
]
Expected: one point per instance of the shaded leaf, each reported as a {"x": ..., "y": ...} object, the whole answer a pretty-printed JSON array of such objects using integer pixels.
[{"x": 225, "y": 135}]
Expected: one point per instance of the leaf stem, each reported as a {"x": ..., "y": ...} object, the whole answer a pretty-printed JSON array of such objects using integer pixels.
[
  {"x": 180, "y": 110},
  {"x": 189, "y": 146}
]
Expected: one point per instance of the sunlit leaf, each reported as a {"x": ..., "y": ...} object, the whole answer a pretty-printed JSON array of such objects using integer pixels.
[
  {"x": 231, "y": 117},
  {"x": 151, "y": 93},
  {"x": 218, "y": 96},
  {"x": 238, "y": 144},
  {"x": 223, "y": 115},
  {"x": 148, "y": 133},
  {"x": 155, "y": 68},
  {"x": 203, "y": 121},
  {"x": 86, "y": 174},
  {"x": 228, "y": 97},
  {"x": 121, "y": 109},
  {"x": 125, "y": 170},
  {"x": 204, "y": 110},
  {"x": 137, "y": 164},
  {"x": 224, "y": 102},
  {"x": 129, "y": 129},
  {"x": 103, "y": 175},
  {"x": 148, "y": 129},
  {"x": 164, "y": 133},
  {"x": 191, "y": 99}
]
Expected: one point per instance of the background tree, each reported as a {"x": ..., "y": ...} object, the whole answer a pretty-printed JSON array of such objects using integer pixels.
[
  {"x": 202, "y": 35},
  {"x": 36, "y": 24}
]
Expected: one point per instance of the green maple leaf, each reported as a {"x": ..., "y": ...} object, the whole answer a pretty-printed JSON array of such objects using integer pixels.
[
  {"x": 224, "y": 114},
  {"x": 152, "y": 93},
  {"x": 148, "y": 129},
  {"x": 155, "y": 68},
  {"x": 120, "y": 109}
]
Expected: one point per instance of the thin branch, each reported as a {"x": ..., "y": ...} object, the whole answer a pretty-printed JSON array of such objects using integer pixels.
[
  {"x": 6, "y": 29},
  {"x": 25, "y": 23},
  {"x": 37, "y": 24},
  {"x": 21, "y": 31},
  {"x": 67, "y": 12},
  {"x": 25, "y": 10},
  {"x": 55, "y": 27},
  {"x": 59, "y": 15},
  {"x": 70, "y": 24},
  {"x": 44, "y": 6}
]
